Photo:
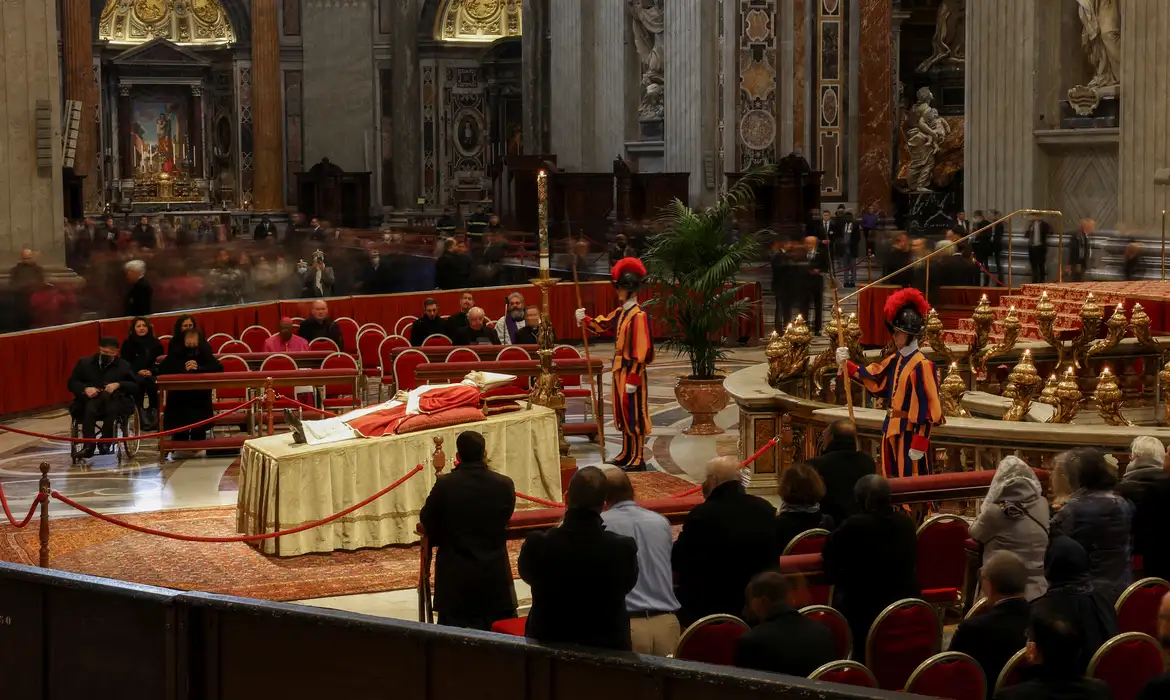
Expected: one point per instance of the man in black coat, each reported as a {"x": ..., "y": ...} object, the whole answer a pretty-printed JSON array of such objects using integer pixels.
[
  {"x": 580, "y": 573},
  {"x": 816, "y": 268},
  {"x": 841, "y": 465},
  {"x": 465, "y": 516},
  {"x": 320, "y": 325},
  {"x": 871, "y": 557},
  {"x": 1037, "y": 234},
  {"x": 1147, "y": 485},
  {"x": 529, "y": 333},
  {"x": 781, "y": 639},
  {"x": 725, "y": 541},
  {"x": 264, "y": 229},
  {"x": 994, "y": 636},
  {"x": 1054, "y": 650},
  {"x": 376, "y": 277},
  {"x": 104, "y": 388},
  {"x": 140, "y": 295},
  {"x": 981, "y": 246},
  {"x": 428, "y": 324},
  {"x": 143, "y": 234}
]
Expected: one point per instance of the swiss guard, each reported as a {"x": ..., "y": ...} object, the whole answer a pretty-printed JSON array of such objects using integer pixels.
[
  {"x": 633, "y": 351},
  {"x": 906, "y": 380}
]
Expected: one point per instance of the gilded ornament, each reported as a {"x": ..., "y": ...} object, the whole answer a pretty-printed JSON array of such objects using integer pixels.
[
  {"x": 206, "y": 10},
  {"x": 953, "y": 388},
  {"x": 1048, "y": 394},
  {"x": 1068, "y": 398},
  {"x": 1022, "y": 383},
  {"x": 934, "y": 329},
  {"x": 1164, "y": 376},
  {"x": 481, "y": 10},
  {"x": 150, "y": 11},
  {"x": 1108, "y": 398},
  {"x": 1115, "y": 331}
]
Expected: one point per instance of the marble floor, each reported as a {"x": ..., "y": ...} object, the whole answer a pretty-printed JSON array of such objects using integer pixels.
[{"x": 146, "y": 485}]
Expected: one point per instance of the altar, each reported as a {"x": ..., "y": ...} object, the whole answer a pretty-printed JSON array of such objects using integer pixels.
[{"x": 284, "y": 485}]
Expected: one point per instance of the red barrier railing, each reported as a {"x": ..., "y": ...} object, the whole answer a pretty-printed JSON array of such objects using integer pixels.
[
  {"x": 755, "y": 455},
  {"x": 146, "y": 436}
]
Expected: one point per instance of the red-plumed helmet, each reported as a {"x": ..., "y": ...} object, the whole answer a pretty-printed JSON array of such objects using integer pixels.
[
  {"x": 628, "y": 274},
  {"x": 906, "y": 311}
]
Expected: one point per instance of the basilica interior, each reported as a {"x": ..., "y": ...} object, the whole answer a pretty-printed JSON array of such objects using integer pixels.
[{"x": 902, "y": 253}]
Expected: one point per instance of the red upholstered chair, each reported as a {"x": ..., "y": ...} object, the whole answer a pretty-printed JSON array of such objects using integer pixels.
[
  {"x": 367, "y": 326},
  {"x": 216, "y": 340},
  {"x": 1012, "y": 672},
  {"x": 323, "y": 344},
  {"x": 811, "y": 542},
  {"x": 514, "y": 626},
  {"x": 254, "y": 337},
  {"x": 511, "y": 352},
  {"x": 836, "y": 623},
  {"x": 386, "y": 360},
  {"x": 402, "y": 326},
  {"x": 845, "y": 673},
  {"x": 435, "y": 339},
  {"x": 1127, "y": 663},
  {"x": 462, "y": 355},
  {"x": 978, "y": 608},
  {"x": 404, "y": 365},
  {"x": 574, "y": 388},
  {"x": 942, "y": 560},
  {"x": 234, "y": 346},
  {"x": 904, "y": 635},
  {"x": 711, "y": 639},
  {"x": 951, "y": 675},
  {"x": 296, "y": 321},
  {"x": 225, "y": 398},
  {"x": 165, "y": 341},
  {"x": 368, "y": 341},
  {"x": 349, "y": 331},
  {"x": 340, "y": 395},
  {"x": 1137, "y": 608},
  {"x": 279, "y": 362}
]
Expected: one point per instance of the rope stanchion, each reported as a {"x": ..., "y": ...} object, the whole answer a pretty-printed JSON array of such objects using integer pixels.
[
  {"x": 238, "y": 538},
  {"x": 540, "y": 501},
  {"x": 8, "y": 512},
  {"x": 755, "y": 455},
  {"x": 147, "y": 436}
]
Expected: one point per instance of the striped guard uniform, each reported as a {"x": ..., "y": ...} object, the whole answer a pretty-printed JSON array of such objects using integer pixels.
[
  {"x": 910, "y": 388},
  {"x": 633, "y": 350}
]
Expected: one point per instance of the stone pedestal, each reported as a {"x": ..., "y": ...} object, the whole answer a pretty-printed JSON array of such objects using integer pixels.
[
  {"x": 31, "y": 207},
  {"x": 77, "y": 47},
  {"x": 267, "y": 112},
  {"x": 875, "y": 121},
  {"x": 755, "y": 430}
]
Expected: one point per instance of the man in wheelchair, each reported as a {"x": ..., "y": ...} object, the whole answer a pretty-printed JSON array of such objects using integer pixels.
[{"x": 104, "y": 387}]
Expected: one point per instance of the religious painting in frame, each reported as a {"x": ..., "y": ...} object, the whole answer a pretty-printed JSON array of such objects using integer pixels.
[{"x": 160, "y": 133}]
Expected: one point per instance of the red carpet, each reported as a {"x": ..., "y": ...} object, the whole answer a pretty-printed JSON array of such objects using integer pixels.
[{"x": 87, "y": 546}]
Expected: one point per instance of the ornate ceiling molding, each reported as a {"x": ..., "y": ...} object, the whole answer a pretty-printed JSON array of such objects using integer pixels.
[
  {"x": 183, "y": 22},
  {"x": 477, "y": 20}
]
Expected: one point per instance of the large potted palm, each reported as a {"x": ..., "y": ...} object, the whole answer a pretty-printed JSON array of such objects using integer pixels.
[{"x": 692, "y": 267}]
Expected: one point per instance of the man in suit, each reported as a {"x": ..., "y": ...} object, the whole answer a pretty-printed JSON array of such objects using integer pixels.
[
  {"x": 841, "y": 465},
  {"x": 781, "y": 639},
  {"x": 816, "y": 258},
  {"x": 994, "y": 636},
  {"x": 264, "y": 230},
  {"x": 954, "y": 270},
  {"x": 1054, "y": 652},
  {"x": 529, "y": 333},
  {"x": 1037, "y": 235},
  {"x": 465, "y": 516},
  {"x": 844, "y": 244},
  {"x": 104, "y": 387},
  {"x": 822, "y": 229},
  {"x": 1079, "y": 251},
  {"x": 144, "y": 234},
  {"x": 981, "y": 247},
  {"x": 376, "y": 277},
  {"x": 962, "y": 226},
  {"x": 580, "y": 573},
  {"x": 725, "y": 541}
]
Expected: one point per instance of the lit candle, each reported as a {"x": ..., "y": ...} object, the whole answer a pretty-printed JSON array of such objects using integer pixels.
[{"x": 542, "y": 219}]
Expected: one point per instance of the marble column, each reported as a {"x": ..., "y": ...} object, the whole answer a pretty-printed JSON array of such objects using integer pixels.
[
  {"x": 685, "y": 44},
  {"x": 1003, "y": 166},
  {"x": 406, "y": 103},
  {"x": 31, "y": 205},
  {"x": 534, "y": 81},
  {"x": 800, "y": 31},
  {"x": 875, "y": 88},
  {"x": 567, "y": 81},
  {"x": 77, "y": 47},
  {"x": 1145, "y": 115},
  {"x": 267, "y": 113},
  {"x": 610, "y": 107}
]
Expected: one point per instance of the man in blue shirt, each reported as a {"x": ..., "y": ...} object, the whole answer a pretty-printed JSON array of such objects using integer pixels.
[{"x": 654, "y": 629}]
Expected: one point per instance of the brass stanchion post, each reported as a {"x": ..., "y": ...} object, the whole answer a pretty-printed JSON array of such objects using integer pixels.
[
  {"x": 45, "y": 490},
  {"x": 270, "y": 404}
]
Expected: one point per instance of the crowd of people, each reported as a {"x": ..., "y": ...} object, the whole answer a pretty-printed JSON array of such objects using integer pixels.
[{"x": 610, "y": 576}]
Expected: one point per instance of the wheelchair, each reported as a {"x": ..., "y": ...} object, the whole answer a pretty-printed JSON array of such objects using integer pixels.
[{"x": 128, "y": 424}]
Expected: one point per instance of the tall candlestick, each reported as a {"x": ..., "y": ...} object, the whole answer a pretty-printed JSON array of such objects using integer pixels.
[{"x": 542, "y": 220}]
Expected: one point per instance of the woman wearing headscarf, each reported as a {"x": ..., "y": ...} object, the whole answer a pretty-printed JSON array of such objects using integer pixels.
[
  {"x": 870, "y": 559},
  {"x": 1073, "y": 595},
  {"x": 1014, "y": 518},
  {"x": 1099, "y": 519},
  {"x": 188, "y": 353},
  {"x": 142, "y": 350}
]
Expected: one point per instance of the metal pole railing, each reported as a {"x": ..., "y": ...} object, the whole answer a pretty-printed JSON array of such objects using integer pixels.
[{"x": 938, "y": 251}]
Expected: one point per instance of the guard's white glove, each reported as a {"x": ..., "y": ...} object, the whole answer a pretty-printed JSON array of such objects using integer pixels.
[
  {"x": 580, "y": 316},
  {"x": 630, "y": 388},
  {"x": 916, "y": 455},
  {"x": 842, "y": 356}
]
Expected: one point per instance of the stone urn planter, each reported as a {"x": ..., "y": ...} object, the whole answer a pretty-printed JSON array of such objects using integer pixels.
[{"x": 702, "y": 398}]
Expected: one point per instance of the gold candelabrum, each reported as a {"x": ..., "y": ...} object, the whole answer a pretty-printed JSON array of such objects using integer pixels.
[
  {"x": 788, "y": 354},
  {"x": 1011, "y": 335},
  {"x": 1021, "y": 385},
  {"x": 1115, "y": 329},
  {"x": 1091, "y": 314},
  {"x": 825, "y": 364},
  {"x": 1048, "y": 394},
  {"x": 1068, "y": 398},
  {"x": 1164, "y": 376},
  {"x": 982, "y": 318},
  {"x": 546, "y": 389},
  {"x": 1108, "y": 398},
  {"x": 952, "y": 390},
  {"x": 934, "y": 331}
]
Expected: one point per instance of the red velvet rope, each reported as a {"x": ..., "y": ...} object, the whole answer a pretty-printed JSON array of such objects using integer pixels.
[
  {"x": 756, "y": 455},
  {"x": 541, "y": 501},
  {"x": 988, "y": 272},
  {"x": 238, "y": 538},
  {"x": 147, "y": 436},
  {"x": 8, "y": 513},
  {"x": 305, "y": 405}
]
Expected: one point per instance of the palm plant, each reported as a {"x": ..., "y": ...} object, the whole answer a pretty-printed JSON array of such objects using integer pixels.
[{"x": 693, "y": 265}]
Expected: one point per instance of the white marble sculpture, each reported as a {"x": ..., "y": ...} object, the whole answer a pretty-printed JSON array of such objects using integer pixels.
[
  {"x": 1101, "y": 41},
  {"x": 949, "y": 42},
  {"x": 648, "y": 26},
  {"x": 924, "y": 140}
]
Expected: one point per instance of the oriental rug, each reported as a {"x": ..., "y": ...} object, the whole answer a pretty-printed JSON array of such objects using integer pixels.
[{"x": 84, "y": 545}]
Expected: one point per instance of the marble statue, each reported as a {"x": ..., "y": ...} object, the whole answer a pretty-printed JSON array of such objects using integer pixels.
[
  {"x": 1101, "y": 41},
  {"x": 924, "y": 140},
  {"x": 949, "y": 42},
  {"x": 648, "y": 26}
]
